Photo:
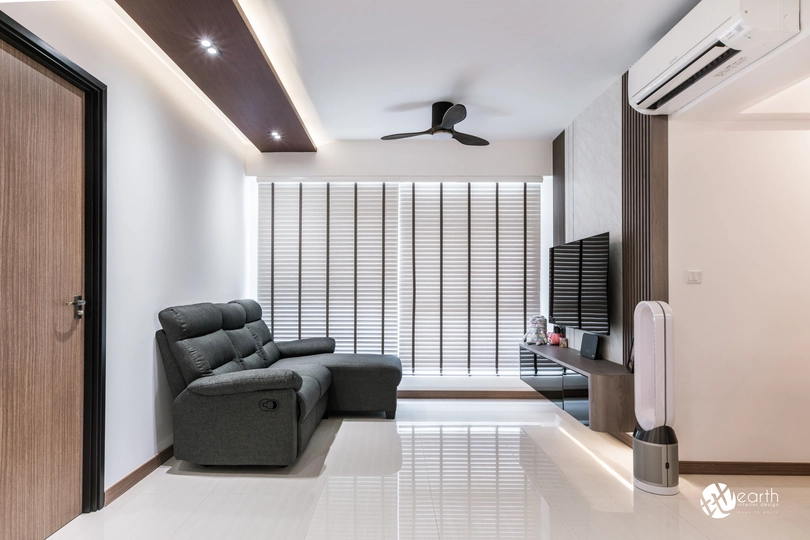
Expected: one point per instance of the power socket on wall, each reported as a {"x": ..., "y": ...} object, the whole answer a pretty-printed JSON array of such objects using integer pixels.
[{"x": 694, "y": 277}]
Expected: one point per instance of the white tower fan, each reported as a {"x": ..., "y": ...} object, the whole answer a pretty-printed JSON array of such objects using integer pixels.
[{"x": 655, "y": 446}]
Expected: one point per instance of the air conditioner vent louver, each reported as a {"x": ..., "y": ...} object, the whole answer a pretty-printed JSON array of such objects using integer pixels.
[{"x": 705, "y": 70}]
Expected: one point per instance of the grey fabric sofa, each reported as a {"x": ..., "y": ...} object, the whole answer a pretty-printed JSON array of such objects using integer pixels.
[{"x": 242, "y": 399}]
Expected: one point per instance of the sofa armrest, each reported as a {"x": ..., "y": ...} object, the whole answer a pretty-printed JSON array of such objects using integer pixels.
[
  {"x": 252, "y": 380},
  {"x": 306, "y": 347}
]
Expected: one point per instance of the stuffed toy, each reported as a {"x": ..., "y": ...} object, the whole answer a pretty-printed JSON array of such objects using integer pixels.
[{"x": 537, "y": 331}]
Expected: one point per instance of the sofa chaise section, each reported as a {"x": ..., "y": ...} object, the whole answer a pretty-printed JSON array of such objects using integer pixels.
[{"x": 360, "y": 382}]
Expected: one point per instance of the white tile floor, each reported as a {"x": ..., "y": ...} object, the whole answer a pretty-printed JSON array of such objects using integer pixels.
[{"x": 443, "y": 469}]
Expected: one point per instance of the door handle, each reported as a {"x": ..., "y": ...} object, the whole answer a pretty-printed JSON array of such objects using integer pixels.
[{"x": 78, "y": 306}]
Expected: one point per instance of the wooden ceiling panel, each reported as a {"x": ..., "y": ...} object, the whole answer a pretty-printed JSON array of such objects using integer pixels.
[{"x": 240, "y": 80}]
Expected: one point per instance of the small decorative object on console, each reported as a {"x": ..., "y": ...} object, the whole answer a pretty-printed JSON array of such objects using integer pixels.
[
  {"x": 556, "y": 335},
  {"x": 537, "y": 331},
  {"x": 590, "y": 343}
]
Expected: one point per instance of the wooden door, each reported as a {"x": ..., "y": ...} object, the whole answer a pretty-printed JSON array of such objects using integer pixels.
[{"x": 41, "y": 269}]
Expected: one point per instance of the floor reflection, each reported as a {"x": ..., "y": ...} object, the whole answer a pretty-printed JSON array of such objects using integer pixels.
[{"x": 454, "y": 482}]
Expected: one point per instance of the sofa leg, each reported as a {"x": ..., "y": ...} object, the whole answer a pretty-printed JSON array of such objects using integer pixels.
[{"x": 390, "y": 414}]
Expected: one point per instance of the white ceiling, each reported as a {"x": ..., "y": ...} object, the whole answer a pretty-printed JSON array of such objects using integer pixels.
[{"x": 523, "y": 68}]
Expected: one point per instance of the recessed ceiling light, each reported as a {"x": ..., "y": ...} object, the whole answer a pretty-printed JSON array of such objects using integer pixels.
[
  {"x": 212, "y": 50},
  {"x": 206, "y": 42},
  {"x": 276, "y": 135}
]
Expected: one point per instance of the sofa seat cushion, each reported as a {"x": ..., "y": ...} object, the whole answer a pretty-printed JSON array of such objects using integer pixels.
[
  {"x": 321, "y": 374},
  {"x": 316, "y": 382},
  {"x": 360, "y": 382}
]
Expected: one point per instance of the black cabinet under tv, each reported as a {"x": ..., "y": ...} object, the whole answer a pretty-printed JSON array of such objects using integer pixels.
[
  {"x": 598, "y": 393},
  {"x": 564, "y": 387}
]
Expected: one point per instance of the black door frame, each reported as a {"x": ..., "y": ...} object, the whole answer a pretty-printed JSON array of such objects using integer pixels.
[{"x": 95, "y": 251}]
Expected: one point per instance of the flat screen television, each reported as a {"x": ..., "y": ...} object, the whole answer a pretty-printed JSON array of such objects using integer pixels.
[{"x": 578, "y": 284}]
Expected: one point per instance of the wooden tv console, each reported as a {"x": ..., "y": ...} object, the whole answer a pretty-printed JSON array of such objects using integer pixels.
[{"x": 610, "y": 387}]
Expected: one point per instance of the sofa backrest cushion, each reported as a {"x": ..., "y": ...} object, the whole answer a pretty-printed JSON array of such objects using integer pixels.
[
  {"x": 177, "y": 382},
  {"x": 197, "y": 341},
  {"x": 271, "y": 353},
  {"x": 244, "y": 341},
  {"x": 202, "y": 356},
  {"x": 183, "y": 322},
  {"x": 253, "y": 310},
  {"x": 254, "y": 323},
  {"x": 233, "y": 316}
]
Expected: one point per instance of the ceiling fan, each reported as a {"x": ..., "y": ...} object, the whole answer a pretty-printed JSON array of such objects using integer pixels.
[{"x": 445, "y": 117}]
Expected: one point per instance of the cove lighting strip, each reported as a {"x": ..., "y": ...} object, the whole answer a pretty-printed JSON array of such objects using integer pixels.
[{"x": 604, "y": 465}]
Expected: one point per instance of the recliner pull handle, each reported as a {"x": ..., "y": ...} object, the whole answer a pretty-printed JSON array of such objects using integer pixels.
[{"x": 268, "y": 405}]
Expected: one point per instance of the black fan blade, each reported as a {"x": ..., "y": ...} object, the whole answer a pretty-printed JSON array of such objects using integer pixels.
[
  {"x": 469, "y": 140},
  {"x": 406, "y": 135},
  {"x": 453, "y": 116}
]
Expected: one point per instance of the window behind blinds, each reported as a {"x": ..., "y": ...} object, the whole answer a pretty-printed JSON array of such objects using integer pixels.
[
  {"x": 469, "y": 275},
  {"x": 442, "y": 274},
  {"x": 328, "y": 262}
]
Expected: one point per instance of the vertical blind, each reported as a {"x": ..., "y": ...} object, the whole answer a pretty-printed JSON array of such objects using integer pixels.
[
  {"x": 328, "y": 262},
  {"x": 442, "y": 274},
  {"x": 469, "y": 275}
]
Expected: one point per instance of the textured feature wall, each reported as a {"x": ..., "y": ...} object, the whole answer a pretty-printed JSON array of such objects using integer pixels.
[{"x": 593, "y": 197}]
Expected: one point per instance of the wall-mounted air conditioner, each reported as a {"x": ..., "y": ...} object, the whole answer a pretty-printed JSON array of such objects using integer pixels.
[{"x": 716, "y": 40}]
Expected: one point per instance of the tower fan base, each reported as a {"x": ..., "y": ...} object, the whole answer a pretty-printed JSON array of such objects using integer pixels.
[
  {"x": 655, "y": 460},
  {"x": 655, "y": 490}
]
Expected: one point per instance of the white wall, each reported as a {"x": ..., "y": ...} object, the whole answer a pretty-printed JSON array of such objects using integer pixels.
[
  {"x": 175, "y": 196},
  {"x": 593, "y": 197},
  {"x": 417, "y": 157},
  {"x": 739, "y": 195}
]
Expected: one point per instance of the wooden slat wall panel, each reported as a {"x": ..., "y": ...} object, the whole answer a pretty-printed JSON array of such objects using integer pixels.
[{"x": 644, "y": 212}]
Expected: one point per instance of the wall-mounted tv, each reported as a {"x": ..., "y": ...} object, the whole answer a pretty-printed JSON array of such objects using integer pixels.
[{"x": 578, "y": 284}]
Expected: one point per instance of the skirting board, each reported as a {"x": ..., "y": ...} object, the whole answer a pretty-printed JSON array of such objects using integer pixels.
[
  {"x": 468, "y": 394},
  {"x": 735, "y": 468},
  {"x": 745, "y": 468},
  {"x": 626, "y": 438},
  {"x": 127, "y": 482}
]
